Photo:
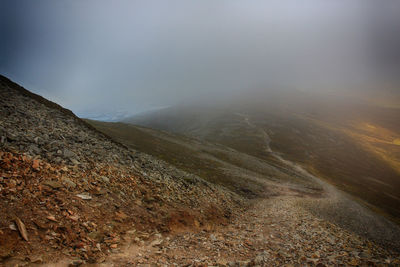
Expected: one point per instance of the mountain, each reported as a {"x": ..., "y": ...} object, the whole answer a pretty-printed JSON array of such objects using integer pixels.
[
  {"x": 79, "y": 192},
  {"x": 349, "y": 143}
]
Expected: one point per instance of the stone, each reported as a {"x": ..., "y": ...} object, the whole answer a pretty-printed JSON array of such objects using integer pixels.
[
  {"x": 121, "y": 216},
  {"x": 354, "y": 262},
  {"x": 36, "y": 259},
  {"x": 74, "y": 161},
  {"x": 12, "y": 227},
  {"x": 64, "y": 169},
  {"x": 34, "y": 149},
  {"x": 22, "y": 229},
  {"x": 68, "y": 153},
  {"x": 94, "y": 235},
  {"x": 222, "y": 262},
  {"x": 156, "y": 242},
  {"x": 84, "y": 196},
  {"x": 259, "y": 260},
  {"x": 53, "y": 184},
  {"x": 51, "y": 218},
  {"x": 105, "y": 179},
  {"x": 36, "y": 164},
  {"x": 213, "y": 238},
  {"x": 76, "y": 262},
  {"x": 243, "y": 263},
  {"x": 69, "y": 183}
]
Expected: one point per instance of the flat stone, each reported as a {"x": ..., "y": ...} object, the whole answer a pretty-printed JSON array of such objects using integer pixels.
[
  {"x": 84, "y": 196},
  {"x": 74, "y": 161},
  {"x": 53, "y": 184}
]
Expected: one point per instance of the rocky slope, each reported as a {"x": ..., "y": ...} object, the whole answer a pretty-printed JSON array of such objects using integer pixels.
[{"x": 69, "y": 191}]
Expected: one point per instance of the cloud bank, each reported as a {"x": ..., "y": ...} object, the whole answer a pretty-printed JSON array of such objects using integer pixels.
[{"x": 98, "y": 57}]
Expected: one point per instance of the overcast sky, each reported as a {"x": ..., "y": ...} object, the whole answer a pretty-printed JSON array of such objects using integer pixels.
[{"x": 95, "y": 56}]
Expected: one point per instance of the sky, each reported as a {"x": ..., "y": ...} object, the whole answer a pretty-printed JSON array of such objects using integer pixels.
[{"x": 119, "y": 57}]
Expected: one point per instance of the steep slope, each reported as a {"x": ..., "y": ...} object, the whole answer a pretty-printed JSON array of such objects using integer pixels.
[
  {"x": 78, "y": 193},
  {"x": 349, "y": 143}
]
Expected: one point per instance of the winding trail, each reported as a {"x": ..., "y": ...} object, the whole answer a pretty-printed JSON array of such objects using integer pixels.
[
  {"x": 339, "y": 207},
  {"x": 290, "y": 227}
]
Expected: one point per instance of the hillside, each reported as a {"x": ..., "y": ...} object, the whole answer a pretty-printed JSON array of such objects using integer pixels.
[
  {"x": 78, "y": 192},
  {"x": 292, "y": 190},
  {"x": 348, "y": 143},
  {"x": 239, "y": 172}
]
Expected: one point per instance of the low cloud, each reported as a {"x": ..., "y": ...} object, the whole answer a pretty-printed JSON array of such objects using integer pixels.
[{"x": 131, "y": 56}]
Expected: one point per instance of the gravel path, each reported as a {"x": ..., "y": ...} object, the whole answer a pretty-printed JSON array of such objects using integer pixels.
[
  {"x": 274, "y": 232},
  {"x": 290, "y": 227},
  {"x": 294, "y": 225}
]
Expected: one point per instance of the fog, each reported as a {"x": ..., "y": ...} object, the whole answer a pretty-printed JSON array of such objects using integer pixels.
[{"x": 125, "y": 57}]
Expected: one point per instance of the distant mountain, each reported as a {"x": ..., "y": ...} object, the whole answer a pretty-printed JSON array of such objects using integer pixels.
[{"x": 105, "y": 116}]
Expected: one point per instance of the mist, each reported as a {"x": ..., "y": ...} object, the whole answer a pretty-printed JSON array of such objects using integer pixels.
[{"x": 125, "y": 57}]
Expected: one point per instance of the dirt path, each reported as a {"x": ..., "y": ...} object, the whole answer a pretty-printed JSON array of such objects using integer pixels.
[
  {"x": 291, "y": 227},
  {"x": 274, "y": 231}
]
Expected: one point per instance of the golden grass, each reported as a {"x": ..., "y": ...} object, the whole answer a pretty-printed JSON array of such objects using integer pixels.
[{"x": 370, "y": 137}]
